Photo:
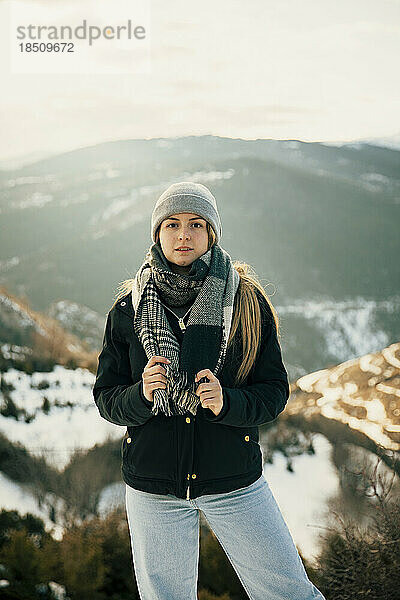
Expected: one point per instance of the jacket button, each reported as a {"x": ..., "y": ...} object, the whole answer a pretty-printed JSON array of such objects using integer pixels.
[
  {"x": 123, "y": 303},
  {"x": 194, "y": 476},
  {"x": 188, "y": 476},
  {"x": 246, "y": 437},
  {"x": 187, "y": 419},
  {"x": 128, "y": 440}
]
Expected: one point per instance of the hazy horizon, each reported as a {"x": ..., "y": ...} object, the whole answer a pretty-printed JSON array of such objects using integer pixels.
[{"x": 276, "y": 70}]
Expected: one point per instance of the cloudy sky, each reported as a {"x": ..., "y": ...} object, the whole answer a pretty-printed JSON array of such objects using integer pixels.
[{"x": 310, "y": 70}]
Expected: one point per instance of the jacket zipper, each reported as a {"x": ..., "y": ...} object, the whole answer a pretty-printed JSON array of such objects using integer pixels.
[{"x": 180, "y": 319}]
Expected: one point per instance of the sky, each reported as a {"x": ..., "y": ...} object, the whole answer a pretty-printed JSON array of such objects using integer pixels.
[{"x": 281, "y": 69}]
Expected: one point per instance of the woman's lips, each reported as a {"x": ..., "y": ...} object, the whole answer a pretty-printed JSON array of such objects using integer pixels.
[{"x": 186, "y": 250}]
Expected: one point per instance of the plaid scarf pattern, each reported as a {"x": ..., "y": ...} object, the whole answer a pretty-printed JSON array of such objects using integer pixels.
[{"x": 212, "y": 283}]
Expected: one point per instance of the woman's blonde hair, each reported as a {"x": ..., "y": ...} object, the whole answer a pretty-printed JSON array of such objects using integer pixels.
[{"x": 247, "y": 312}]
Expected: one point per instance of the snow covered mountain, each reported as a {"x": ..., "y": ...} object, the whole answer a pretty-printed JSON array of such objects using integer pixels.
[
  {"x": 82, "y": 321},
  {"x": 318, "y": 223},
  {"x": 64, "y": 335},
  {"x": 362, "y": 395}
]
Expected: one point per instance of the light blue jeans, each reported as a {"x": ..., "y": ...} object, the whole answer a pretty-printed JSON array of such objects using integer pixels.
[{"x": 249, "y": 526}]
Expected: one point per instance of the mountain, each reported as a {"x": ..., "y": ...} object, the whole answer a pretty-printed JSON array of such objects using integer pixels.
[
  {"x": 27, "y": 335},
  {"x": 390, "y": 141},
  {"x": 318, "y": 223},
  {"x": 357, "y": 401},
  {"x": 16, "y": 162},
  {"x": 80, "y": 320}
]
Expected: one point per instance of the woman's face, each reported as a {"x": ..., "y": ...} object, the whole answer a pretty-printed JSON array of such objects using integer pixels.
[{"x": 183, "y": 230}]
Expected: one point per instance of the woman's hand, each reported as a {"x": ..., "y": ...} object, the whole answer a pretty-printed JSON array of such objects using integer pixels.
[
  {"x": 153, "y": 376},
  {"x": 211, "y": 392}
]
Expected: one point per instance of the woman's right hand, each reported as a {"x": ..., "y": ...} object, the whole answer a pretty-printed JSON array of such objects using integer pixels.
[{"x": 153, "y": 376}]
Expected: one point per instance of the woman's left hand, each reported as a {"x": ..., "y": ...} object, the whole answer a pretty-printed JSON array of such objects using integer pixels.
[{"x": 211, "y": 392}]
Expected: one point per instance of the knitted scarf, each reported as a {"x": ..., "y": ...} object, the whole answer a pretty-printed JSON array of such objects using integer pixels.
[{"x": 212, "y": 283}]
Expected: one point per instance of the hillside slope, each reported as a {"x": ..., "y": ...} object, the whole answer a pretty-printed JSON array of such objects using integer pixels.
[{"x": 361, "y": 395}]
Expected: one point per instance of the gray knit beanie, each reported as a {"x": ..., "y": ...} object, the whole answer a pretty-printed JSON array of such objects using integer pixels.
[{"x": 186, "y": 196}]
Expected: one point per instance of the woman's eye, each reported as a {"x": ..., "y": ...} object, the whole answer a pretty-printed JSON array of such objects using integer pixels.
[{"x": 173, "y": 224}]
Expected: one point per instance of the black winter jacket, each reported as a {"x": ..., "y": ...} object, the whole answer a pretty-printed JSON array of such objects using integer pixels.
[{"x": 187, "y": 455}]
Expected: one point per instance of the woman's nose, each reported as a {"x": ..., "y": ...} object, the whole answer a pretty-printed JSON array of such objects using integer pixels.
[{"x": 184, "y": 233}]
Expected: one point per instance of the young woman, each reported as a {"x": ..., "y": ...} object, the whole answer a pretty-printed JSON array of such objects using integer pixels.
[{"x": 191, "y": 365}]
